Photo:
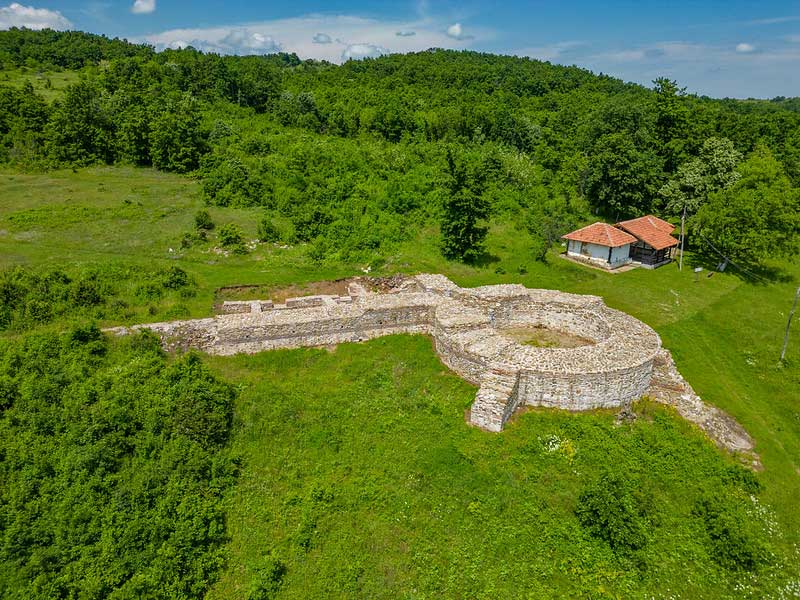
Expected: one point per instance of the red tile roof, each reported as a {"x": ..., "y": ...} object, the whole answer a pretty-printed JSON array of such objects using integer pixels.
[
  {"x": 651, "y": 230},
  {"x": 602, "y": 234}
]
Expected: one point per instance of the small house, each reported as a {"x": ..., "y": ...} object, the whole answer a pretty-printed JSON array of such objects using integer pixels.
[
  {"x": 600, "y": 244},
  {"x": 654, "y": 245}
]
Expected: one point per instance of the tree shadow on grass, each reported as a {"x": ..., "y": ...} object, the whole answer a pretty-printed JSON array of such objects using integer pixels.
[
  {"x": 483, "y": 260},
  {"x": 759, "y": 274}
]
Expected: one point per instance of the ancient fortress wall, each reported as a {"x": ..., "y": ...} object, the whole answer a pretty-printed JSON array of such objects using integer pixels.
[
  {"x": 467, "y": 326},
  {"x": 620, "y": 359}
]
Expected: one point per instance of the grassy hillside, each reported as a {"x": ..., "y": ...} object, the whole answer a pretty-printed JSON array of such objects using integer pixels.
[{"x": 359, "y": 476}]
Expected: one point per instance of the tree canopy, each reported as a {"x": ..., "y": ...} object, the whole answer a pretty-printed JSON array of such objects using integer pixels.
[{"x": 756, "y": 217}]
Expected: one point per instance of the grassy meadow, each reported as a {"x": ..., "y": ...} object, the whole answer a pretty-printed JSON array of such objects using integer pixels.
[
  {"x": 48, "y": 84},
  {"x": 358, "y": 474}
]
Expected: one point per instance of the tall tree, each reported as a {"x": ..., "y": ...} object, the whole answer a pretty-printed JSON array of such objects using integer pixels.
[
  {"x": 714, "y": 169},
  {"x": 672, "y": 119},
  {"x": 80, "y": 130},
  {"x": 622, "y": 178},
  {"x": 755, "y": 218},
  {"x": 465, "y": 209},
  {"x": 176, "y": 141}
]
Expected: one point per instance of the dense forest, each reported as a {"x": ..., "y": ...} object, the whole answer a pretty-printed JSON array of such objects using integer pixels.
[
  {"x": 118, "y": 460},
  {"x": 353, "y": 158}
]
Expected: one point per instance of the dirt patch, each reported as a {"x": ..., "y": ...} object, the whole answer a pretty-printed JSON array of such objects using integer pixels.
[
  {"x": 383, "y": 285},
  {"x": 544, "y": 337},
  {"x": 279, "y": 294}
]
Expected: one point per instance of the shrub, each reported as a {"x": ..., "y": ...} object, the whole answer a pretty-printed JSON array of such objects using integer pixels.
[
  {"x": 267, "y": 232},
  {"x": 610, "y": 511},
  {"x": 202, "y": 221},
  {"x": 86, "y": 292},
  {"x": 267, "y": 582},
  {"x": 733, "y": 536},
  {"x": 175, "y": 278},
  {"x": 230, "y": 235}
]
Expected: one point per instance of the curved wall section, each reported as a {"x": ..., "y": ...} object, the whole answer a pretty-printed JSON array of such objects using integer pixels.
[{"x": 467, "y": 326}]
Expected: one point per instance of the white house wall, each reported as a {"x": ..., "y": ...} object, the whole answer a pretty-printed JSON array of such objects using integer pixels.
[
  {"x": 599, "y": 254},
  {"x": 574, "y": 247},
  {"x": 596, "y": 251},
  {"x": 621, "y": 254}
]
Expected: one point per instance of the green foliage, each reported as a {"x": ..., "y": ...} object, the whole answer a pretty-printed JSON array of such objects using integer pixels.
[
  {"x": 757, "y": 217},
  {"x": 696, "y": 179},
  {"x": 176, "y": 141},
  {"x": 622, "y": 179},
  {"x": 464, "y": 212},
  {"x": 230, "y": 235},
  {"x": 80, "y": 130},
  {"x": 547, "y": 223},
  {"x": 63, "y": 49},
  {"x": 734, "y": 538},
  {"x": 228, "y": 182},
  {"x": 29, "y": 298},
  {"x": 672, "y": 121},
  {"x": 202, "y": 221},
  {"x": 267, "y": 231},
  {"x": 267, "y": 582},
  {"x": 612, "y": 511},
  {"x": 113, "y": 469}
]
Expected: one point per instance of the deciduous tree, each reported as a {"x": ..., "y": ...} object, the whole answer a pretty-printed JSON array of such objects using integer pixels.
[{"x": 755, "y": 218}]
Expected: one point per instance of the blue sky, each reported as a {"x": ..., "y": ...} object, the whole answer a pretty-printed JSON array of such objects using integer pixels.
[{"x": 733, "y": 48}]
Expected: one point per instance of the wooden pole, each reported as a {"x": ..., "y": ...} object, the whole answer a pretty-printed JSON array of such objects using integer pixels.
[
  {"x": 788, "y": 324},
  {"x": 683, "y": 236}
]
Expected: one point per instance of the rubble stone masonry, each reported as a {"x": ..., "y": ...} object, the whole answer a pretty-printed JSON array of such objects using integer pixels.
[{"x": 614, "y": 368}]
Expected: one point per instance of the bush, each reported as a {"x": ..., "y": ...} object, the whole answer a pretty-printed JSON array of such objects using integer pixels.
[
  {"x": 230, "y": 235},
  {"x": 86, "y": 292},
  {"x": 202, "y": 221},
  {"x": 267, "y": 232},
  {"x": 733, "y": 536},
  {"x": 127, "y": 441},
  {"x": 175, "y": 278},
  {"x": 610, "y": 511},
  {"x": 268, "y": 581}
]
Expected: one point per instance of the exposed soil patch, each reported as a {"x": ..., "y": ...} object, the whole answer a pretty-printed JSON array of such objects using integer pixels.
[
  {"x": 543, "y": 337},
  {"x": 279, "y": 294}
]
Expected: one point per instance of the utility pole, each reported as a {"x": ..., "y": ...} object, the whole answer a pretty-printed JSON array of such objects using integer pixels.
[{"x": 788, "y": 323}]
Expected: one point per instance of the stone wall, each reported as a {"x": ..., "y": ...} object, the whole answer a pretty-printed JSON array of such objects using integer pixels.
[{"x": 467, "y": 329}]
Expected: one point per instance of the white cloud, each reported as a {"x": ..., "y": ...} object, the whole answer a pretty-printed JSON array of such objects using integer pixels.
[
  {"x": 17, "y": 15},
  {"x": 745, "y": 48},
  {"x": 321, "y": 38},
  {"x": 456, "y": 31},
  {"x": 242, "y": 41},
  {"x": 297, "y": 35},
  {"x": 143, "y": 7},
  {"x": 405, "y": 33},
  {"x": 795, "y": 39},
  {"x": 359, "y": 51},
  {"x": 715, "y": 70}
]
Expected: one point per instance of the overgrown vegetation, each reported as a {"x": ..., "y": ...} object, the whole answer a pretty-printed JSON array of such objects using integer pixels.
[{"x": 113, "y": 468}]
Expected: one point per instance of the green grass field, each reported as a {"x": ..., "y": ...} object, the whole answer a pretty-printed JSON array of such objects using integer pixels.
[
  {"x": 359, "y": 473},
  {"x": 49, "y": 84}
]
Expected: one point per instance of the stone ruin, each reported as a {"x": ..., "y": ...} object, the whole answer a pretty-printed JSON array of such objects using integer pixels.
[{"x": 619, "y": 360}]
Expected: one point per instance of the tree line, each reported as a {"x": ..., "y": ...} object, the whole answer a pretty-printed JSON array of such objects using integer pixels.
[{"x": 347, "y": 157}]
